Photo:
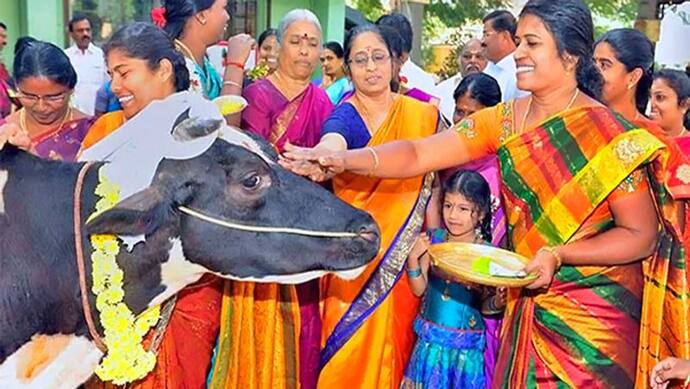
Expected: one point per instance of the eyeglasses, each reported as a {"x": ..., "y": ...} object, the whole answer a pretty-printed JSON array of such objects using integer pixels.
[
  {"x": 378, "y": 58},
  {"x": 29, "y": 99}
]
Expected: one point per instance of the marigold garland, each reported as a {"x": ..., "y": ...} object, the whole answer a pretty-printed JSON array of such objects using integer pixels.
[{"x": 126, "y": 359}]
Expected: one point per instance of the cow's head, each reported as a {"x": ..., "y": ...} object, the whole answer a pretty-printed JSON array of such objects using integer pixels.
[{"x": 231, "y": 184}]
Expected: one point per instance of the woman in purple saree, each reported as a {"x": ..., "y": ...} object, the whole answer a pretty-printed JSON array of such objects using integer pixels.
[
  {"x": 276, "y": 329},
  {"x": 45, "y": 80}
]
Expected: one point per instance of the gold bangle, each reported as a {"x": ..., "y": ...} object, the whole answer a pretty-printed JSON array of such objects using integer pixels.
[
  {"x": 232, "y": 83},
  {"x": 687, "y": 381},
  {"x": 376, "y": 161},
  {"x": 554, "y": 252}
]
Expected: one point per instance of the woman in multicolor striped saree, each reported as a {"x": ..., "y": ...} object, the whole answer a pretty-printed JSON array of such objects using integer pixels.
[{"x": 576, "y": 184}]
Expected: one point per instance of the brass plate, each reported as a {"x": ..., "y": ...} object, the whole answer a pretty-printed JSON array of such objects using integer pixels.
[{"x": 454, "y": 261}]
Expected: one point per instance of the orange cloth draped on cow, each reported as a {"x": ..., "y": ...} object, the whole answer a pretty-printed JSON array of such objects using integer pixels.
[
  {"x": 367, "y": 322},
  {"x": 186, "y": 342}
]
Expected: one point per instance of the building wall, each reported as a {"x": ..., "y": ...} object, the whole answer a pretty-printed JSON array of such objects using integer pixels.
[
  {"x": 41, "y": 19},
  {"x": 331, "y": 15},
  {"x": 10, "y": 15}
]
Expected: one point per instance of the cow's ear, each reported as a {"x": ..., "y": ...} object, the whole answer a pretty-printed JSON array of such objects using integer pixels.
[
  {"x": 189, "y": 128},
  {"x": 139, "y": 214}
]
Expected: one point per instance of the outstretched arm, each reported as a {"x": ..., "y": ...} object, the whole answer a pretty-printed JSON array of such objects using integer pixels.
[{"x": 397, "y": 159}]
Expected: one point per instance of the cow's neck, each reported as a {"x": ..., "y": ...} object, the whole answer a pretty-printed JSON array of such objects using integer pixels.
[{"x": 156, "y": 269}]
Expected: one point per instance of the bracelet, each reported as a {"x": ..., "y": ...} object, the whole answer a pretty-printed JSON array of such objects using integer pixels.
[
  {"x": 414, "y": 273},
  {"x": 235, "y": 64},
  {"x": 232, "y": 83},
  {"x": 376, "y": 161},
  {"x": 687, "y": 381},
  {"x": 554, "y": 252}
]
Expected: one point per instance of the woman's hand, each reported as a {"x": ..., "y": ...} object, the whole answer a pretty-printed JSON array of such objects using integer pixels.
[
  {"x": 501, "y": 298},
  {"x": 669, "y": 369},
  {"x": 329, "y": 161},
  {"x": 544, "y": 265},
  {"x": 307, "y": 162},
  {"x": 11, "y": 133},
  {"x": 239, "y": 48}
]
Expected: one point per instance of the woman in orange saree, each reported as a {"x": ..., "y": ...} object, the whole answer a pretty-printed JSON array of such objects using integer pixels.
[
  {"x": 577, "y": 182},
  {"x": 185, "y": 335},
  {"x": 367, "y": 322}
]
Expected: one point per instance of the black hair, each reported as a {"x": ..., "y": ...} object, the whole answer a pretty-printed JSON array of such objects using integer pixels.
[
  {"x": 679, "y": 81},
  {"x": 44, "y": 59},
  {"x": 269, "y": 32},
  {"x": 502, "y": 20},
  {"x": 570, "y": 22},
  {"x": 393, "y": 40},
  {"x": 76, "y": 18},
  {"x": 177, "y": 12},
  {"x": 401, "y": 24},
  {"x": 482, "y": 87},
  {"x": 634, "y": 50},
  {"x": 145, "y": 41},
  {"x": 3, "y": 26},
  {"x": 22, "y": 42},
  {"x": 335, "y": 48},
  {"x": 477, "y": 191}
]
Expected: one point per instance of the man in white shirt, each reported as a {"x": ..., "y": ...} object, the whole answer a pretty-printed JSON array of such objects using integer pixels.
[
  {"x": 499, "y": 44},
  {"x": 88, "y": 62},
  {"x": 471, "y": 60},
  {"x": 412, "y": 75}
]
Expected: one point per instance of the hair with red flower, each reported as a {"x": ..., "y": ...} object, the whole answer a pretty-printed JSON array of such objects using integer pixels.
[{"x": 158, "y": 17}]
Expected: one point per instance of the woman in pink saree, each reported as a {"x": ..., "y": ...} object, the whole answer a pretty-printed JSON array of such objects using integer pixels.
[{"x": 270, "y": 334}]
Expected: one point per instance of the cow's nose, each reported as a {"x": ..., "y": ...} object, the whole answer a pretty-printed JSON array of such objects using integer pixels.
[{"x": 365, "y": 227}]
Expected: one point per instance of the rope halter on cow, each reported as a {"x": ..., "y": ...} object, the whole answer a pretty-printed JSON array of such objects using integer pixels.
[{"x": 265, "y": 229}]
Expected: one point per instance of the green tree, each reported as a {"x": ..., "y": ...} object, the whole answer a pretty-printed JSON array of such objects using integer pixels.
[{"x": 371, "y": 9}]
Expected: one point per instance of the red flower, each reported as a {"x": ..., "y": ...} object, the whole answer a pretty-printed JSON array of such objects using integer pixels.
[{"x": 158, "y": 17}]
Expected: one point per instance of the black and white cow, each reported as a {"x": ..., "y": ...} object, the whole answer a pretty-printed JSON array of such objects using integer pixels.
[{"x": 39, "y": 288}]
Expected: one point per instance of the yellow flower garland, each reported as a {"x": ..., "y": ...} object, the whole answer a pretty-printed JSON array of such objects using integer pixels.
[{"x": 126, "y": 359}]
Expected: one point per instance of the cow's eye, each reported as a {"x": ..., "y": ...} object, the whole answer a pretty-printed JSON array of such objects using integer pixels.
[{"x": 252, "y": 181}]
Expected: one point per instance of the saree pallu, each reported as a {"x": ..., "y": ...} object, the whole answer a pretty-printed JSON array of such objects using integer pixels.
[
  {"x": 270, "y": 334},
  {"x": 62, "y": 143},
  {"x": 367, "y": 322},
  {"x": 665, "y": 325},
  {"x": 188, "y": 327},
  {"x": 557, "y": 178}
]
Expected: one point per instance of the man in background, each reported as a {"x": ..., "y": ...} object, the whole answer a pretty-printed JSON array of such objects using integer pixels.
[
  {"x": 88, "y": 62},
  {"x": 499, "y": 44},
  {"x": 471, "y": 59}
]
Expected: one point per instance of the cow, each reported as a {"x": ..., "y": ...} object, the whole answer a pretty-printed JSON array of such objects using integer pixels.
[{"x": 39, "y": 289}]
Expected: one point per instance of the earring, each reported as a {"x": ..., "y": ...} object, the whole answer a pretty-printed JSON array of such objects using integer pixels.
[
  {"x": 477, "y": 234},
  {"x": 630, "y": 85}
]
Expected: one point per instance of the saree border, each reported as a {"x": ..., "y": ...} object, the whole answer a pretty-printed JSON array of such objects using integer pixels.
[{"x": 380, "y": 283}]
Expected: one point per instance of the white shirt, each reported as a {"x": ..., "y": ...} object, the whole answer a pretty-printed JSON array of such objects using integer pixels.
[
  {"x": 504, "y": 72},
  {"x": 418, "y": 78},
  {"x": 444, "y": 91},
  {"x": 92, "y": 73}
]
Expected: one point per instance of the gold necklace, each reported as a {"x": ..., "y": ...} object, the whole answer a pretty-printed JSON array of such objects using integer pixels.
[
  {"x": 25, "y": 127},
  {"x": 186, "y": 51},
  {"x": 529, "y": 107}
]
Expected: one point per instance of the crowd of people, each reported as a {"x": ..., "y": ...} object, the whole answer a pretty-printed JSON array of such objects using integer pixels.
[{"x": 569, "y": 151}]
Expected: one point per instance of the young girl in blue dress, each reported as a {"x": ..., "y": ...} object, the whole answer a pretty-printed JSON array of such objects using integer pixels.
[{"x": 449, "y": 352}]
